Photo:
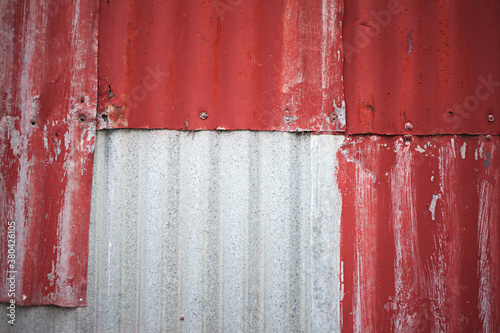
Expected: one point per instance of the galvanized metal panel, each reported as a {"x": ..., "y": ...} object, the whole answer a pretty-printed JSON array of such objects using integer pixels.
[
  {"x": 234, "y": 231},
  {"x": 48, "y": 76},
  {"x": 433, "y": 64},
  {"x": 420, "y": 234},
  {"x": 260, "y": 65}
]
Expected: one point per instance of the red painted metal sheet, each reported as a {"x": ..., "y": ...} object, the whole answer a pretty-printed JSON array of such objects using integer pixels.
[
  {"x": 48, "y": 74},
  {"x": 221, "y": 64},
  {"x": 433, "y": 64},
  {"x": 420, "y": 234}
]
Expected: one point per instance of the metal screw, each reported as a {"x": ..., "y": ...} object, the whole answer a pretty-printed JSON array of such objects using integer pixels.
[
  {"x": 203, "y": 115},
  {"x": 408, "y": 126},
  {"x": 333, "y": 117},
  {"x": 491, "y": 118},
  {"x": 288, "y": 119},
  {"x": 488, "y": 137},
  {"x": 82, "y": 118},
  {"x": 408, "y": 137},
  {"x": 181, "y": 317},
  {"x": 81, "y": 300}
]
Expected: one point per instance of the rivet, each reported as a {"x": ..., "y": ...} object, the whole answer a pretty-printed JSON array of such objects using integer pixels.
[
  {"x": 203, "y": 115},
  {"x": 333, "y": 117},
  {"x": 491, "y": 118},
  {"x": 82, "y": 118},
  {"x": 408, "y": 126},
  {"x": 408, "y": 137},
  {"x": 81, "y": 300},
  {"x": 488, "y": 137},
  {"x": 181, "y": 317},
  {"x": 288, "y": 119}
]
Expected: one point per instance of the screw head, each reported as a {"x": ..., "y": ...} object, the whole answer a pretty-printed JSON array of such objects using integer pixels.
[
  {"x": 82, "y": 118},
  {"x": 181, "y": 317},
  {"x": 333, "y": 117},
  {"x": 288, "y": 119},
  {"x": 408, "y": 126},
  {"x": 488, "y": 137},
  {"x": 81, "y": 300},
  {"x": 491, "y": 118},
  {"x": 203, "y": 115},
  {"x": 408, "y": 137}
]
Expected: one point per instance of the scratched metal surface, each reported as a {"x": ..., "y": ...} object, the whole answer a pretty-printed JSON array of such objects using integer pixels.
[
  {"x": 431, "y": 63},
  {"x": 48, "y": 75},
  {"x": 420, "y": 234},
  {"x": 260, "y": 65},
  {"x": 236, "y": 231}
]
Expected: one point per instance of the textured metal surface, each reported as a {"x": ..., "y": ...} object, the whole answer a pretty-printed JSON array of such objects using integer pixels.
[
  {"x": 234, "y": 231},
  {"x": 261, "y": 65},
  {"x": 420, "y": 234},
  {"x": 48, "y": 77},
  {"x": 432, "y": 63}
]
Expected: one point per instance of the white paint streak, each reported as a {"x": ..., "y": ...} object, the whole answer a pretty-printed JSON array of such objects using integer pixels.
[
  {"x": 419, "y": 149},
  {"x": 432, "y": 206},
  {"x": 488, "y": 247},
  {"x": 51, "y": 276},
  {"x": 408, "y": 271},
  {"x": 463, "y": 149},
  {"x": 453, "y": 147}
]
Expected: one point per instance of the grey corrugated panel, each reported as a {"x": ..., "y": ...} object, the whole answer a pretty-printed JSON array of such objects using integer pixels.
[{"x": 235, "y": 231}]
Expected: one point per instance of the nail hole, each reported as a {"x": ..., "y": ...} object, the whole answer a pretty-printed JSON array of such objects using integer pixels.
[
  {"x": 105, "y": 117},
  {"x": 33, "y": 122},
  {"x": 82, "y": 118}
]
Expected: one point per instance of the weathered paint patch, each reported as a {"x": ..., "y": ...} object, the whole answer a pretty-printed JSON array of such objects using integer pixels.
[
  {"x": 410, "y": 263},
  {"x": 48, "y": 76}
]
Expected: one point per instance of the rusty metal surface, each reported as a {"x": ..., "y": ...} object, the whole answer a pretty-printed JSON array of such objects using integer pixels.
[
  {"x": 420, "y": 234},
  {"x": 431, "y": 63},
  {"x": 48, "y": 76},
  {"x": 260, "y": 65}
]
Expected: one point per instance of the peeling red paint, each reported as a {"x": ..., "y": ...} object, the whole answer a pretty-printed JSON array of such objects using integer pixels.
[
  {"x": 47, "y": 132},
  {"x": 260, "y": 65},
  {"x": 420, "y": 235}
]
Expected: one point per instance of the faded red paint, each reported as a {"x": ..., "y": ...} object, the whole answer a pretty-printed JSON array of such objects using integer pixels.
[
  {"x": 420, "y": 234},
  {"x": 48, "y": 71},
  {"x": 261, "y": 65},
  {"x": 432, "y": 63}
]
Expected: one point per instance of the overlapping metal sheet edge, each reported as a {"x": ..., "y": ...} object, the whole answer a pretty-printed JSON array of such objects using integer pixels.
[
  {"x": 48, "y": 71},
  {"x": 233, "y": 65},
  {"x": 233, "y": 231}
]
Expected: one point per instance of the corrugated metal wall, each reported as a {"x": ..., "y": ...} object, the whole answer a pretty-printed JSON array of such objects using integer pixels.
[
  {"x": 240, "y": 231},
  {"x": 258, "y": 64},
  {"x": 431, "y": 63},
  {"x": 420, "y": 234},
  {"x": 234, "y": 231},
  {"x": 48, "y": 93}
]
